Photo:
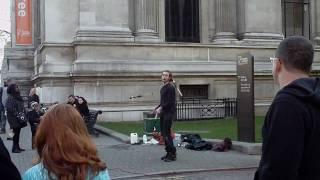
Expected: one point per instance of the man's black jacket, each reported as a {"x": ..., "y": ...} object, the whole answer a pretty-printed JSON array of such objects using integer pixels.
[
  {"x": 168, "y": 99},
  {"x": 291, "y": 134},
  {"x": 7, "y": 169}
]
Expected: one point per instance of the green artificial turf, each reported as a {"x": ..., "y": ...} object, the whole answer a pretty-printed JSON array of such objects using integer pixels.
[{"x": 211, "y": 129}]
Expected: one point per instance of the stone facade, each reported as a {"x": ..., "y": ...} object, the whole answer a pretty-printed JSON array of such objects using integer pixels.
[{"x": 110, "y": 50}]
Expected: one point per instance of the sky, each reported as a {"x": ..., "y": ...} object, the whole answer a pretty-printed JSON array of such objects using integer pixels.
[
  {"x": 5, "y": 15},
  {"x": 4, "y": 22}
]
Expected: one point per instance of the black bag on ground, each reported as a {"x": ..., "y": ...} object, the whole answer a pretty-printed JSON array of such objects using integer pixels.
[
  {"x": 199, "y": 145},
  {"x": 195, "y": 142},
  {"x": 190, "y": 137}
]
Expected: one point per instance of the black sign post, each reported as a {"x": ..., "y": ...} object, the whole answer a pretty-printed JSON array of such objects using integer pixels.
[{"x": 245, "y": 98}]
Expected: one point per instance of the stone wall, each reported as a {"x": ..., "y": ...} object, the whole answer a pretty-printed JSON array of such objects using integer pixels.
[{"x": 110, "y": 50}]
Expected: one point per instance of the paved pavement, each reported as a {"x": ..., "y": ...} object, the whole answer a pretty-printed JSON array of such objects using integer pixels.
[{"x": 127, "y": 161}]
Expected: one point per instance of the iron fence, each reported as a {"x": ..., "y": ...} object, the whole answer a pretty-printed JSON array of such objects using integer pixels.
[{"x": 196, "y": 109}]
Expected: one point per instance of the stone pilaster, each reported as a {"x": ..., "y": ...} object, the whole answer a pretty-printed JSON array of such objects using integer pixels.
[
  {"x": 226, "y": 21},
  {"x": 18, "y": 65},
  {"x": 260, "y": 21},
  {"x": 146, "y": 21}
]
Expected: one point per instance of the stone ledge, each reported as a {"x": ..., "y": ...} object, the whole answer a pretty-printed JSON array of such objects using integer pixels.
[
  {"x": 243, "y": 147},
  {"x": 112, "y": 133}
]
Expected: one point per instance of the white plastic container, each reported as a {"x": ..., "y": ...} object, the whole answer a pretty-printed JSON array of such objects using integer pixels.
[
  {"x": 133, "y": 138},
  {"x": 177, "y": 139},
  {"x": 144, "y": 139}
]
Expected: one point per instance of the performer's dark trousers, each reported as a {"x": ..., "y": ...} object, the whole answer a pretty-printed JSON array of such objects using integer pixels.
[{"x": 165, "y": 126}]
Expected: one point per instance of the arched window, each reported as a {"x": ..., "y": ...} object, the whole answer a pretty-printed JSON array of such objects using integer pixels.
[
  {"x": 296, "y": 17},
  {"x": 182, "y": 20}
]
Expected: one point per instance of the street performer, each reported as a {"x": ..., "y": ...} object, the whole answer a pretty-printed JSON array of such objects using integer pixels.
[{"x": 167, "y": 111}]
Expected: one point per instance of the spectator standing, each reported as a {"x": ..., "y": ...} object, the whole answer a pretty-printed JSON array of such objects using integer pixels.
[
  {"x": 291, "y": 130},
  {"x": 33, "y": 97},
  {"x": 2, "y": 112},
  {"x": 14, "y": 106},
  {"x": 34, "y": 119},
  {"x": 4, "y": 98}
]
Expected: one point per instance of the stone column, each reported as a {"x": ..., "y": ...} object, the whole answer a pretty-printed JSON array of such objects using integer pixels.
[
  {"x": 260, "y": 21},
  {"x": 147, "y": 21},
  {"x": 204, "y": 19},
  {"x": 226, "y": 21},
  {"x": 211, "y": 20},
  {"x": 316, "y": 21}
]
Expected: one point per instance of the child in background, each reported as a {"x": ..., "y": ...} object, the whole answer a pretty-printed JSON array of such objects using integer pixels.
[{"x": 34, "y": 119}]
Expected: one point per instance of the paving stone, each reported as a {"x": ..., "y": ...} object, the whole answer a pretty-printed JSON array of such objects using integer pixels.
[{"x": 125, "y": 160}]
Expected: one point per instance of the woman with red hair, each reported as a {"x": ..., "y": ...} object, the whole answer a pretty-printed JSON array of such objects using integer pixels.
[{"x": 65, "y": 149}]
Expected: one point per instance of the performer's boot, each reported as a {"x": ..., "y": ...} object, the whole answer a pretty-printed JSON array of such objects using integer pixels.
[
  {"x": 164, "y": 157},
  {"x": 170, "y": 157}
]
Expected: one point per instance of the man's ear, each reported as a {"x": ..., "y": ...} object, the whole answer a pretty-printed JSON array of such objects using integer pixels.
[{"x": 279, "y": 66}]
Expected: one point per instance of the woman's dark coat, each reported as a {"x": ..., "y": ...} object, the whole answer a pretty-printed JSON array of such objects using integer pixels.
[{"x": 14, "y": 105}]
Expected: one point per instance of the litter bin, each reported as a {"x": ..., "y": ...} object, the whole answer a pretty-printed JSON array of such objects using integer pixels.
[{"x": 151, "y": 124}]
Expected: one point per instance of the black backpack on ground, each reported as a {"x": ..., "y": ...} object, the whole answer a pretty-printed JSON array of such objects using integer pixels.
[
  {"x": 195, "y": 142},
  {"x": 190, "y": 137}
]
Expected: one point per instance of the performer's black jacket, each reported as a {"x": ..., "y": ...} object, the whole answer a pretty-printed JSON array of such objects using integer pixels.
[
  {"x": 168, "y": 99},
  {"x": 291, "y": 134}
]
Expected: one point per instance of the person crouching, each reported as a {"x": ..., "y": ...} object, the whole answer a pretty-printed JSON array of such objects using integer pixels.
[{"x": 34, "y": 119}]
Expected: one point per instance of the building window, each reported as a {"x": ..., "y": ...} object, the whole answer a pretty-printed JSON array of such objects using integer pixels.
[
  {"x": 194, "y": 91},
  {"x": 296, "y": 17},
  {"x": 182, "y": 20}
]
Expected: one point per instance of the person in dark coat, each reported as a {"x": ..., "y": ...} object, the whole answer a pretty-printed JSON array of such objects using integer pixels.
[
  {"x": 4, "y": 97},
  {"x": 167, "y": 110},
  {"x": 86, "y": 115},
  {"x": 7, "y": 169},
  {"x": 73, "y": 101},
  {"x": 33, "y": 97},
  {"x": 34, "y": 119},
  {"x": 291, "y": 130},
  {"x": 14, "y": 105},
  {"x": 83, "y": 107},
  {"x": 2, "y": 110}
]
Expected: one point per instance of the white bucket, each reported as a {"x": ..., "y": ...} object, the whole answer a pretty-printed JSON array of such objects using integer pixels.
[{"x": 133, "y": 138}]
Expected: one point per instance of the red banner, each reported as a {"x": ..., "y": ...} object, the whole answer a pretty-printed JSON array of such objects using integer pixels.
[{"x": 23, "y": 22}]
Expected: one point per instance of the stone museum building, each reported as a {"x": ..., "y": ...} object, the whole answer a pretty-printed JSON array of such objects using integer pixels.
[{"x": 112, "y": 52}]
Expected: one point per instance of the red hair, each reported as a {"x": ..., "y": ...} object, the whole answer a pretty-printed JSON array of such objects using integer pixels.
[{"x": 64, "y": 145}]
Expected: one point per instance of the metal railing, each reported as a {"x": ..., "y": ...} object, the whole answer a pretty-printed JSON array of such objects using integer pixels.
[{"x": 196, "y": 109}]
